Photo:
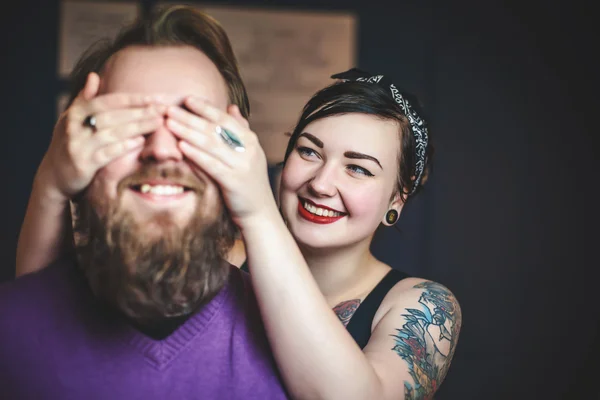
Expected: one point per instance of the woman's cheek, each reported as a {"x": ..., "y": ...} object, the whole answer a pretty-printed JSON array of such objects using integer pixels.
[{"x": 364, "y": 203}]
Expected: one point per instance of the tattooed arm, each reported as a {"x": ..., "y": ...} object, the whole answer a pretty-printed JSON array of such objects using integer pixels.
[
  {"x": 413, "y": 342},
  {"x": 317, "y": 357}
]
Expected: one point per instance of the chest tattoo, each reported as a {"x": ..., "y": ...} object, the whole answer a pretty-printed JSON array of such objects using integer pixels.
[{"x": 346, "y": 309}]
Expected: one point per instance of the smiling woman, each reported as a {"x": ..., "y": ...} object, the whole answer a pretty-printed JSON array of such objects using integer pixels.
[{"x": 359, "y": 152}]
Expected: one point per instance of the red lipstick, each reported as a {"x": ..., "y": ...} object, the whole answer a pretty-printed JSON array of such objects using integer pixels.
[{"x": 317, "y": 219}]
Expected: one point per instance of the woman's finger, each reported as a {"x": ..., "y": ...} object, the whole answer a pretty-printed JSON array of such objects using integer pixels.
[
  {"x": 207, "y": 163},
  {"x": 113, "y": 101},
  {"x": 114, "y": 118},
  {"x": 125, "y": 131},
  {"x": 88, "y": 102},
  {"x": 216, "y": 116},
  {"x": 192, "y": 121},
  {"x": 194, "y": 129},
  {"x": 193, "y": 136},
  {"x": 89, "y": 91},
  {"x": 235, "y": 112},
  {"x": 207, "y": 143},
  {"x": 92, "y": 84},
  {"x": 236, "y": 125},
  {"x": 108, "y": 153}
]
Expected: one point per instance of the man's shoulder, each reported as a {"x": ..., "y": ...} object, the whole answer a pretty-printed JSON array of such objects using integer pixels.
[{"x": 36, "y": 289}]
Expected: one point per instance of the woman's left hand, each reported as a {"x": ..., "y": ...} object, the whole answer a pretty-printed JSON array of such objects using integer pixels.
[{"x": 240, "y": 173}]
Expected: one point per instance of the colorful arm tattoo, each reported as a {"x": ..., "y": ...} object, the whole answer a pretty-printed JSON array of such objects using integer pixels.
[{"x": 422, "y": 337}]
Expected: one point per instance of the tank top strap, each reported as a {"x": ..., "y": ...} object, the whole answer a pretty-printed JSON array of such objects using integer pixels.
[{"x": 359, "y": 326}]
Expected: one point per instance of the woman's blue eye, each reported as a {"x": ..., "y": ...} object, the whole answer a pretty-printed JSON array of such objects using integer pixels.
[
  {"x": 359, "y": 170},
  {"x": 305, "y": 151}
]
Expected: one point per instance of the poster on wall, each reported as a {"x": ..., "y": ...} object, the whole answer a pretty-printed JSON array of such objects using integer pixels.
[
  {"x": 82, "y": 23},
  {"x": 285, "y": 57}
]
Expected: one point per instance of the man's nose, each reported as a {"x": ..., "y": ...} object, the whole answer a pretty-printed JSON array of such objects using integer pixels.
[{"x": 160, "y": 146}]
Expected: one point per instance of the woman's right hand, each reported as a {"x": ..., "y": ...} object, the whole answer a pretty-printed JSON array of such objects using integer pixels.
[{"x": 77, "y": 152}]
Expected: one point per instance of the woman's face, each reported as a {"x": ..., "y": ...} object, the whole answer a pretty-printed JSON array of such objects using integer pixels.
[{"x": 338, "y": 182}]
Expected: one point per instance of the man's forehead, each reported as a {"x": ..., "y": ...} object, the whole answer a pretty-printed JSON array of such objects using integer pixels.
[{"x": 173, "y": 72}]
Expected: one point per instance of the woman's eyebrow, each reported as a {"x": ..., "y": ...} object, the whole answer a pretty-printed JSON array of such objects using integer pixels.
[
  {"x": 361, "y": 156},
  {"x": 312, "y": 138}
]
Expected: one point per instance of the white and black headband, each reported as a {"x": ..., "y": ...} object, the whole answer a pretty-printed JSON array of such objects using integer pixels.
[{"x": 417, "y": 124}]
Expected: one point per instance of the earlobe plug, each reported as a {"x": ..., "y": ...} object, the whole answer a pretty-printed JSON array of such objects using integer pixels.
[{"x": 391, "y": 216}]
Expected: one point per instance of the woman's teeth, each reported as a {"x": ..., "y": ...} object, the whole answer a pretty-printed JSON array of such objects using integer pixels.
[{"x": 320, "y": 211}]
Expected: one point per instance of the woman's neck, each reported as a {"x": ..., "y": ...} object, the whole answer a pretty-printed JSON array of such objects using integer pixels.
[{"x": 339, "y": 270}]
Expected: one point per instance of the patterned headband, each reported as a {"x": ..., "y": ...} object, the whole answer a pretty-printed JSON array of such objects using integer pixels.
[{"x": 417, "y": 124}]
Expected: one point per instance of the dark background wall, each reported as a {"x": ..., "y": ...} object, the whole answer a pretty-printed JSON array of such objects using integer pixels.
[{"x": 507, "y": 219}]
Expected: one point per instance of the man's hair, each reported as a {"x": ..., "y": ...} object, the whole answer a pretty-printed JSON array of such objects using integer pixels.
[{"x": 169, "y": 26}]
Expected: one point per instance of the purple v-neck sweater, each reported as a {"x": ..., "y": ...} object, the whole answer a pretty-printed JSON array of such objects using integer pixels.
[{"x": 56, "y": 343}]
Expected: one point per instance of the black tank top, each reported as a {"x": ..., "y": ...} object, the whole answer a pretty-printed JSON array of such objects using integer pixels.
[{"x": 359, "y": 326}]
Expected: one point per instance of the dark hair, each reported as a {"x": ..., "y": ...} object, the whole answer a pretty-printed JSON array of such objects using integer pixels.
[
  {"x": 169, "y": 26},
  {"x": 365, "y": 98}
]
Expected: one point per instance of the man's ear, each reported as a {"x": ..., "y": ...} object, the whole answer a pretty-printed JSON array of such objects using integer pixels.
[{"x": 393, "y": 212}]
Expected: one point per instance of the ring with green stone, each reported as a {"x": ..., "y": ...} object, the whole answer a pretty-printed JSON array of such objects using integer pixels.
[{"x": 230, "y": 139}]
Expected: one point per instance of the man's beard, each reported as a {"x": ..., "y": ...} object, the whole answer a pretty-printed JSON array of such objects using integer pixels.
[{"x": 147, "y": 276}]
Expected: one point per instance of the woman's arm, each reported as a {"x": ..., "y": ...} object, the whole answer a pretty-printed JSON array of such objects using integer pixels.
[
  {"x": 317, "y": 357},
  {"x": 43, "y": 237},
  {"x": 414, "y": 337},
  {"x": 408, "y": 354}
]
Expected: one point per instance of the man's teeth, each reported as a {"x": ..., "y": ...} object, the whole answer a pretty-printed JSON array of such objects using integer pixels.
[
  {"x": 320, "y": 211},
  {"x": 161, "y": 190}
]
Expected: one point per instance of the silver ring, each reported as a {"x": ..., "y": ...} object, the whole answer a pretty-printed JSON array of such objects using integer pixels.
[
  {"x": 230, "y": 139},
  {"x": 90, "y": 122}
]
